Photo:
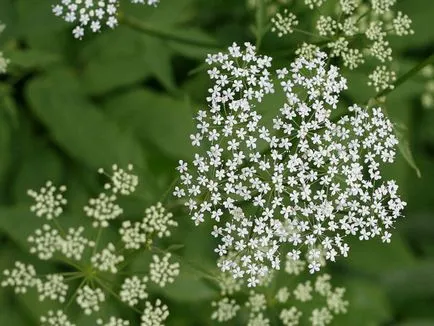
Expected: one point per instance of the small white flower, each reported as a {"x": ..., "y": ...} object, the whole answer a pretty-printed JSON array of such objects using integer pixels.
[
  {"x": 89, "y": 299},
  {"x": 92, "y": 14},
  {"x": 55, "y": 318},
  {"x": 107, "y": 260},
  {"x": 154, "y": 315},
  {"x": 161, "y": 271},
  {"x": 133, "y": 289},
  {"x": 226, "y": 309},
  {"x": 54, "y": 288},
  {"x": 158, "y": 221},
  {"x": 21, "y": 278},
  {"x": 284, "y": 23},
  {"x": 49, "y": 201}
]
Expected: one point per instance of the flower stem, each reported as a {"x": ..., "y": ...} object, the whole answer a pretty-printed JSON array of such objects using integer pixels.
[
  {"x": 140, "y": 26},
  {"x": 409, "y": 74},
  {"x": 260, "y": 22}
]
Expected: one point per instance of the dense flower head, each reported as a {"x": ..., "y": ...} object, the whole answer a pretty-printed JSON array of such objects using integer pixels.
[
  {"x": 355, "y": 32},
  {"x": 154, "y": 315},
  {"x": 95, "y": 267},
  {"x": 304, "y": 183},
  {"x": 92, "y": 14},
  {"x": 292, "y": 302},
  {"x": 163, "y": 272}
]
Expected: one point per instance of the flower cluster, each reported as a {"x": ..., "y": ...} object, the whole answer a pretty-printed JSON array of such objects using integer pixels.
[
  {"x": 356, "y": 33},
  {"x": 92, "y": 262},
  {"x": 292, "y": 301},
  {"x": 297, "y": 187},
  {"x": 427, "y": 97},
  {"x": 92, "y": 14},
  {"x": 3, "y": 61}
]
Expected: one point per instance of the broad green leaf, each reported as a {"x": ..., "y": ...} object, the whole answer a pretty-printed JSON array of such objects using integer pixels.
[
  {"x": 31, "y": 59},
  {"x": 406, "y": 152},
  {"x": 158, "y": 58},
  {"x": 164, "y": 121},
  {"x": 76, "y": 125},
  {"x": 114, "y": 59}
]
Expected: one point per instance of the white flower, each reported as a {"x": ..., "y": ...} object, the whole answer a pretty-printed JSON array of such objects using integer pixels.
[
  {"x": 103, "y": 209},
  {"x": 307, "y": 190},
  {"x": 133, "y": 289},
  {"x": 133, "y": 235},
  {"x": 290, "y": 317},
  {"x": 284, "y": 23},
  {"x": 54, "y": 288},
  {"x": 74, "y": 244},
  {"x": 226, "y": 309},
  {"x": 49, "y": 201},
  {"x": 83, "y": 276},
  {"x": 154, "y": 315},
  {"x": 122, "y": 181},
  {"x": 21, "y": 278},
  {"x": 107, "y": 260},
  {"x": 161, "y": 271},
  {"x": 92, "y": 14},
  {"x": 55, "y": 318},
  {"x": 89, "y": 299},
  {"x": 45, "y": 242},
  {"x": 158, "y": 221},
  {"x": 382, "y": 78}
]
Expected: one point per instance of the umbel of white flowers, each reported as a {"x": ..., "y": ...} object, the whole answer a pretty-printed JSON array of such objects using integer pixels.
[
  {"x": 298, "y": 187},
  {"x": 353, "y": 19},
  {"x": 92, "y": 14},
  {"x": 93, "y": 261}
]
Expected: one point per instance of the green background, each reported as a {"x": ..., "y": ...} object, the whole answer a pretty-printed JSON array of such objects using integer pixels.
[{"x": 68, "y": 107}]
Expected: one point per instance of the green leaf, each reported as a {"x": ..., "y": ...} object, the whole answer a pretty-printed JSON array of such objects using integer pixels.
[
  {"x": 158, "y": 58},
  {"x": 113, "y": 60},
  {"x": 405, "y": 150},
  {"x": 164, "y": 121},
  {"x": 76, "y": 125},
  {"x": 31, "y": 58}
]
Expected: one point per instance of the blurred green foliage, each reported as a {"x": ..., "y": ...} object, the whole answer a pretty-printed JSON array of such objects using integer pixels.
[{"x": 68, "y": 107}]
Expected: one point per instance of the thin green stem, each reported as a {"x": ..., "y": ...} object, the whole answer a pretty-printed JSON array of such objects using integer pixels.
[
  {"x": 409, "y": 74},
  {"x": 115, "y": 295},
  {"x": 260, "y": 22},
  {"x": 301, "y": 31},
  {"x": 140, "y": 26}
]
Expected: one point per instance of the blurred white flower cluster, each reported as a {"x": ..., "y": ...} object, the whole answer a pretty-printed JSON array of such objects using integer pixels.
[
  {"x": 92, "y": 14},
  {"x": 356, "y": 32},
  {"x": 292, "y": 303},
  {"x": 3, "y": 61},
  {"x": 427, "y": 98},
  {"x": 95, "y": 265},
  {"x": 296, "y": 187}
]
